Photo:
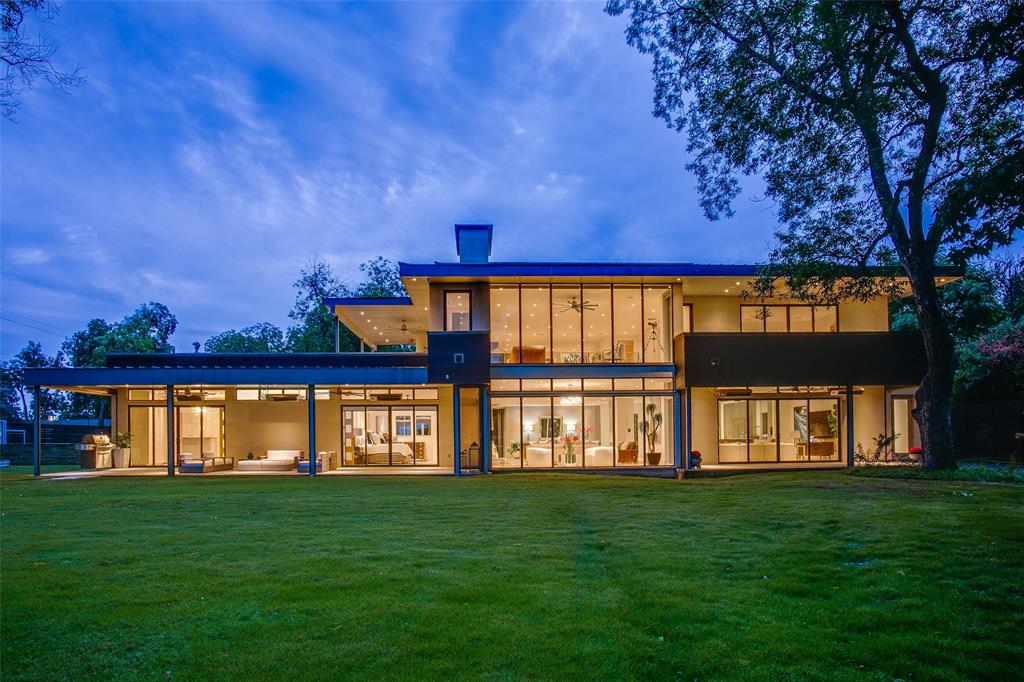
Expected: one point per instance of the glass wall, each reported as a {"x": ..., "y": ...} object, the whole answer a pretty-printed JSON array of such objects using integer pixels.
[
  {"x": 200, "y": 432},
  {"x": 597, "y": 324},
  {"x": 566, "y": 323},
  {"x": 536, "y": 316},
  {"x": 778, "y": 430},
  {"x": 577, "y": 430},
  {"x": 581, "y": 323},
  {"x": 628, "y": 324},
  {"x": 539, "y": 432},
  {"x": 397, "y": 435},
  {"x": 657, "y": 324},
  {"x": 148, "y": 428},
  {"x": 901, "y": 429},
  {"x": 568, "y": 415},
  {"x": 504, "y": 324}
]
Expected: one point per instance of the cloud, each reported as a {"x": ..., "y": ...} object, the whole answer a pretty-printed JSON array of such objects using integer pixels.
[{"x": 214, "y": 151}]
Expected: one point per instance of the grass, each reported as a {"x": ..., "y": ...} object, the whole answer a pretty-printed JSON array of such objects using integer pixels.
[
  {"x": 800, "y": 575},
  {"x": 991, "y": 472}
]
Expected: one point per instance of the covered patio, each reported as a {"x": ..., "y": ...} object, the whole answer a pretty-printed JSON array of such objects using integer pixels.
[{"x": 226, "y": 414}]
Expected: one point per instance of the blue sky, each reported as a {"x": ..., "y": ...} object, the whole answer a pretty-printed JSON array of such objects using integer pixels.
[{"x": 216, "y": 148}]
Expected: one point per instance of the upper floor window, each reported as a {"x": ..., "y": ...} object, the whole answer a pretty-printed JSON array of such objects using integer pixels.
[
  {"x": 458, "y": 315},
  {"x": 573, "y": 323},
  {"x": 788, "y": 318}
]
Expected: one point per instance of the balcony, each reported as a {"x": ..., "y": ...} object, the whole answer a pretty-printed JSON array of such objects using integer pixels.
[{"x": 767, "y": 359}]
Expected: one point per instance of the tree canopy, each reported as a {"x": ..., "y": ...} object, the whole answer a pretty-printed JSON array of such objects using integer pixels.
[
  {"x": 881, "y": 129},
  {"x": 147, "y": 330},
  {"x": 258, "y": 338}
]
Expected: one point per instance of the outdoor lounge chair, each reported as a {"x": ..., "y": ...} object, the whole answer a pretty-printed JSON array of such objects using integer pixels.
[{"x": 192, "y": 464}]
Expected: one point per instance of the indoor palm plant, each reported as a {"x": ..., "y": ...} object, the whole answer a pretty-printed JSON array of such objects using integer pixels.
[{"x": 651, "y": 425}]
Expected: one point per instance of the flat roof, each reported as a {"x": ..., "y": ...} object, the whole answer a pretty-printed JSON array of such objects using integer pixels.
[
  {"x": 597, "y": 269},
  {"x": 232, "y": 369}
]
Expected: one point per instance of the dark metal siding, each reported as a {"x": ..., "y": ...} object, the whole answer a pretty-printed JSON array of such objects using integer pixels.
[
  {"x": 871, "y": 358},
  {"x": 474, "y": 348}
]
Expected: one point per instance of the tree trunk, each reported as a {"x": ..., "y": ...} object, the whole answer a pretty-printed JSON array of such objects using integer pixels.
[{"x": 934, "y": 410}]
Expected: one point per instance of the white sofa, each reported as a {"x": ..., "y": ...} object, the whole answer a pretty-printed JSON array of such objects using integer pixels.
[{"x": 276, "y": 460}]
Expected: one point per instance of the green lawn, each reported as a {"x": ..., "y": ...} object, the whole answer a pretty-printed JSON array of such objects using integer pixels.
[{"x": 794, "y": 576}]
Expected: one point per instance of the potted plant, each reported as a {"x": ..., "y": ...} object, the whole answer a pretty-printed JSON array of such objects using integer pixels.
[
  {"x": 513, "y": 450},
  {"x": 650, "y": 426},
  {"x": 569, "y": 440},
  {"x": 122, "y": 449}
]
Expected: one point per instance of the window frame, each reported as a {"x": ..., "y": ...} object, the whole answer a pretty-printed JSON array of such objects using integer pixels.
[{"x": 789, "y": 326}]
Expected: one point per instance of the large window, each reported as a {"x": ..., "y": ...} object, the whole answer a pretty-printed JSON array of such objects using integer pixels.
[
  {"x": 397, "y": 435},
  {"x": 597, "y": 324},
  {"x": 458, "y": 315},
  {"x": 536, "y": 332},
  {"x": 575, "y": 430},
  {"x": 657, "y": 324},
  {"x": 148, "y": 428},
  {"x": 795, "y": 429},
  {"x": 505, "y": 324},
  {"x": 788, "y": 318},
  {"x": 200, "y": 432},
  {"x": 582, "y": 323}
]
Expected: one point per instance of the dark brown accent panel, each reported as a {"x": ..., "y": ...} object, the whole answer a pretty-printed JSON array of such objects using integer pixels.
[
  {"x": 458, "y": 358},
  {"x": 767, "y": 359}
]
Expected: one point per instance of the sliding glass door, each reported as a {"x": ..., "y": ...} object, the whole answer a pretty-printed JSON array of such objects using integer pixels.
[
  {"x": 398, "y": 435},
  {"x": 200, "y": 431},
  {"x": 754, "y": 430}
]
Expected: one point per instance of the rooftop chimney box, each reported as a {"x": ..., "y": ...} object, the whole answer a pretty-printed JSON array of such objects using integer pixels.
[{"x": 473, "y": 243}]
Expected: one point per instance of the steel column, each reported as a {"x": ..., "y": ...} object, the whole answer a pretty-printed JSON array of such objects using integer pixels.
[
  {"x": 849, "y": 426},
  {"x": 689, "y": 428},
  {"x": 485, "y": 430},
  {"x": 170, "y": 430},
  {"x": 337, "y": 335},
  {"x": 311, "y": 423},
  {"x": 37, "y": 435},
  {"x": 457, "y": 457}
]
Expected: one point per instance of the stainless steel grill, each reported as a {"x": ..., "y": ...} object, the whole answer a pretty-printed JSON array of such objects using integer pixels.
[{"x": 95, "y": 451}]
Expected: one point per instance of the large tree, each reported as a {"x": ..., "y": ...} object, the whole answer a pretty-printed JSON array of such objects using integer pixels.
[
  {"x": 18, "y": 402},
  {"x": 146, "y": 330},
  {"x": 258, "y": 338},
  {"x": 313, "y": 325},
  {"x": 876, "y": 126}
]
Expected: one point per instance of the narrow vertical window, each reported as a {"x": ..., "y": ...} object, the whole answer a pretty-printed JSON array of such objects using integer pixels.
[{"x": 457, "y": 311}]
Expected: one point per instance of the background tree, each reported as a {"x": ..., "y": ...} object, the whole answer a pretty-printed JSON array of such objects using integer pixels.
[
  {"x": 28, "y": 58},
  {"x": 146, "y": 330},
  {"x": 380, "y": 279},
  {"x": 313, "y": 325},
  {"x": 258, "y": 338},
  {"x": 18, "y": 399},
  {"x": 878, "y": 127}
]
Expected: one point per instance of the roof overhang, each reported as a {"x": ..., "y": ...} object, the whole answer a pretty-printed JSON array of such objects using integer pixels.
[
  {"x": 379, "y": 321},
  {"x": 86, "y": 380}
]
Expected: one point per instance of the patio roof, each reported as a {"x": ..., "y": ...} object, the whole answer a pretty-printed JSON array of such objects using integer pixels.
[{"x": 231, "y": 369}]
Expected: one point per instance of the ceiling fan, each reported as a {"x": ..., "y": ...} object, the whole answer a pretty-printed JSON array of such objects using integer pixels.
[
  {"x": 579, "y": 305},
  {"x": 400, "y": 331}
]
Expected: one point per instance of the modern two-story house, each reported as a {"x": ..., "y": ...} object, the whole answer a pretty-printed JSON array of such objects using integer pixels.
[{"x": 633, "y": 367}]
